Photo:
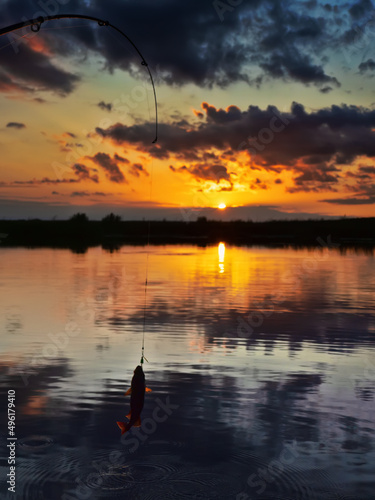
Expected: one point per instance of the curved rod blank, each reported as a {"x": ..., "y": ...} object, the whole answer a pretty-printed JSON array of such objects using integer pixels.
[{"x": 35, "y": 27}]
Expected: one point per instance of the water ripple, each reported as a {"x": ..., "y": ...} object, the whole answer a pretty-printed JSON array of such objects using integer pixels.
[{"x": 35, "y": 443}]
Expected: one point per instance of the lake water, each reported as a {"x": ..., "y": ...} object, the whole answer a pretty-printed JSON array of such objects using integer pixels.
[{"x": 261, "y": 363}]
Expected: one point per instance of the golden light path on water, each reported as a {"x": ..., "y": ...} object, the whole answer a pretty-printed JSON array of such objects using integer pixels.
[{"x": 221, "y": 251}]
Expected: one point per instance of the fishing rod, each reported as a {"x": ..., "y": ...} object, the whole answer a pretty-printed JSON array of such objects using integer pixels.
[{"x": 36, "y": 24}]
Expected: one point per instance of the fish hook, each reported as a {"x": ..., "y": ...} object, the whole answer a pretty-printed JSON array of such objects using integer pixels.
[{"x": 143, "y": 356}]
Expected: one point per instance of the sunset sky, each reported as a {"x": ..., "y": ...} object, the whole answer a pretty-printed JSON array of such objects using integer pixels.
[{"x": 265, "y": 106}]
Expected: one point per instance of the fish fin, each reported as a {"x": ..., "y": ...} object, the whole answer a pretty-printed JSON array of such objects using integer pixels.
[
  {"x": 129, "y": 391},
  {"x": 137, "y": 423},
  {"x": 128, "y": 416},
  {"x": 122, "y": 426},
  {"x": 148, "y": 389}
]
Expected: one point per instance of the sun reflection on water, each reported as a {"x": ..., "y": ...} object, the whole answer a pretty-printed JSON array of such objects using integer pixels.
[{"x": 221, "y": 251}]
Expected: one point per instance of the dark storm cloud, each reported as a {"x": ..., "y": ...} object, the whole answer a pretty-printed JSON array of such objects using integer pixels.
[
  {"x": 31, "y": 70},
  {"x": 360, "y": 9},
  {"x": 16, "y": 125},
  {"x": 294, "y": 66},
  {"x": 289, "y": 43},
  {"x": 110, "y": 167},
  {"x": 313, "y": 145},
  {"x": 345, "y": 130},
  {"x": 192, "y": 42}
]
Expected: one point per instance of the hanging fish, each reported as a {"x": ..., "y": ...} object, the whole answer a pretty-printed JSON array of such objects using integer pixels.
[{"x": 137, "y": 397}]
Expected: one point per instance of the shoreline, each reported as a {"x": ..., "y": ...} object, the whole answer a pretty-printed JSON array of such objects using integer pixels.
[{"x": 76, "y": 233}]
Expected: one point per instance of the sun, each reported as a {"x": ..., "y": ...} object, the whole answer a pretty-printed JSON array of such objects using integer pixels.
[{"x": 222, "y": 206}]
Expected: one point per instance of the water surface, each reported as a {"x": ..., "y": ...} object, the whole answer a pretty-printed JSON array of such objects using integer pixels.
[{"x": 261, "y": 363}]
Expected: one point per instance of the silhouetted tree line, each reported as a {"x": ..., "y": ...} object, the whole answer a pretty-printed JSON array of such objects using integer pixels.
[{"x": 80, "y": 232}]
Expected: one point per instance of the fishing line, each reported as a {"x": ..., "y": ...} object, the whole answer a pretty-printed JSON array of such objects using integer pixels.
[
  {"x": 120, "y": 40},
  {"x": 35, "y": 25},
  {"x": 16, "y": 41},
  {"x": 148, "y": 247}
]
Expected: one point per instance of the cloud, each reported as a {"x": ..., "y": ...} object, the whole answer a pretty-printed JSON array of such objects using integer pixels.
[
  {"x": 137, "y": 169},
  {"x": 314, "y": 145},
  {"x": 110, "y": 167},
  {"x": 76, "y": 194},
  {"x": 81, "y": 171},
  {"x": 370, "y": 200},
  {"x": 16, "y": 125},
  {"x": 249, "y": 42},
  {"x": 232, "y": 113},
  {"x": 252, "y": 42},
  {"x": 291, "y": 65},
  {"x": 297, "y": 133},
  {"x": 37, "y": 182},
  {"x": 325, "y": 90},
  {"x": 213, "y": 172},
  {"x": 45, "y": 180},
  {"x": 121, "y": 159},
  {"x": 8, "y": 85},
  {"x": 360, "y": 9},
  {"x": 69, "y": 134},
  {"x": 368, "y": 65},
  {"x": 30, "y": 71},
  {"x": 16, "y": 209},
  {"x": 367, "y": 169},
  {"x": 363, "y": 188},
  {"x": 84, "y": 173},
  {"x": 105, "y": 106}
]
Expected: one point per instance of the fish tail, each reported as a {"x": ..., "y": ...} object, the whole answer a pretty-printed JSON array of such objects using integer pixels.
[{"x": 124, "y": 427}]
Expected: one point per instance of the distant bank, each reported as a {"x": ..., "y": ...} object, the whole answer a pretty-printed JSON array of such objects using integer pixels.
[{"x": 79, "y": 232}]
